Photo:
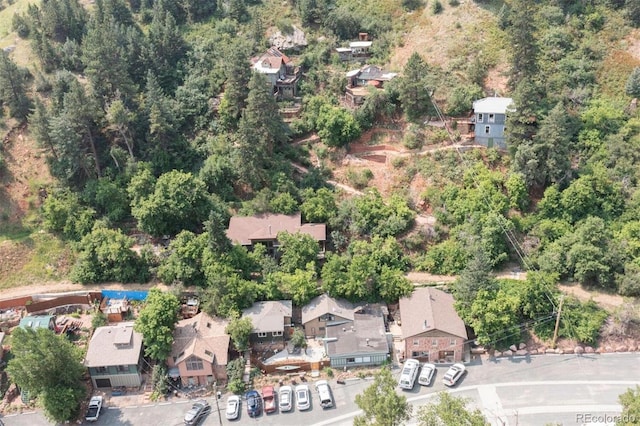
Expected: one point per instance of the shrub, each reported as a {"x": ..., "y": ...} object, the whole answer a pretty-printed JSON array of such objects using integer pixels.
[
  {"x": 454, "y": 3},
  {"x": 329, "y": 372},
  {"x": 359, "y": 179},
  {"x": 437, "y": 8}
]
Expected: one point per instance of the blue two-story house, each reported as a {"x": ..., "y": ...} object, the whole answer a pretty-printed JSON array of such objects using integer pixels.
[{"x": 490, "y": 116}]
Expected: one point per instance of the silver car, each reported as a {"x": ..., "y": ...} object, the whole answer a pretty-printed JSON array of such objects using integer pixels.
[
  {"x": 455, "y": 372},
  {"x": 285, "y": 398},
  {"x": 303, "y": 398},
  {"x": 233, "y": 407}
]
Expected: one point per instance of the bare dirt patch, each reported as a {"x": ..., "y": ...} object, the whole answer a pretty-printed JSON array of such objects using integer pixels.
[{"x": 610, "y": 302}]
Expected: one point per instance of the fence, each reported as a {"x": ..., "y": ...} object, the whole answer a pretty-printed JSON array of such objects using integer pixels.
[
  {"x": 86, "y": 299},
  {"x": 125, "y": 294}
]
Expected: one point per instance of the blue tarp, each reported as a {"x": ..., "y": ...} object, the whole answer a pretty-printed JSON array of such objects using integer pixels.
[{"x": 125, "y": 294}]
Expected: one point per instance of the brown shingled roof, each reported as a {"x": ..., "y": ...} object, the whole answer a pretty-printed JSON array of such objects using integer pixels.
[
  {"x": 202, "y": 336},
  {"x": 430, "y": 309},
  {"x": 245, "y": 229},
  {"x": 325, "y": 304}
]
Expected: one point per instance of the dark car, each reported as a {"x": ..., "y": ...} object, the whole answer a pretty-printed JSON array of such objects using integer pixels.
[
  {"x": 198, "y": 410},
  {"x": 254, "y": 403}
]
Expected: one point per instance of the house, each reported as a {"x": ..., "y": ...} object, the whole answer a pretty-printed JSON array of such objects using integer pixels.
[
  {"x": 490, "y": 116},
  {"x": 200, "y": 350},
  {"x": 431, "y": 328},
  {"x": 281, "y": 73},
  {"x": 39, "y": 321},
  {"x": 361, "y": 342},
  {"x": 360, "y": 81},
  {"x": 357, "y": 50},
  {"x": 264, "y": 229},
  {"x": 323, "y": 311},
  {"x": 114, "y": 356},
  {"x": 271, "y": 323}
]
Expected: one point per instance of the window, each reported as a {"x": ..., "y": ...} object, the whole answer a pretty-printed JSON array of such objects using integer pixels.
[
  {"x": 194, "y": 363},
  {"x": 452, "y": 342},
  {"x": 101, "y": 369},
  {"x": 434, "y": 342},
  {"x": 123, "y": 369},
  {"x": 487, "y": 129},
  {"x": 262, "y": 334},
  {"x": 277, "y": 333},
  {"x": 492, "y": 118},
  {"x": 351, "y": 360},
  {"x": 208, "y": 353},
  {"x": 321, "y": 329},
  {"x": 416, "y": 342},
  {"x": 480, "y": 118}
]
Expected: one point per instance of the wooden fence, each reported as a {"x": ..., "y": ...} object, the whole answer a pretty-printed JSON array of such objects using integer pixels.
[{"x": 86, "y": 299}]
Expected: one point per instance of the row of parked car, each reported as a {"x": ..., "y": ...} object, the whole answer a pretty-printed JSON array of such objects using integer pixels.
[
  {"x": 409, "y": 374},
  {"x": 284, "y": 400}
]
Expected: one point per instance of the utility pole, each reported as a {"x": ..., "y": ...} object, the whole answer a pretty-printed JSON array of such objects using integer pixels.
[
  {"x": 218, "y": 395},
  {"x": 555, "y": 331}
]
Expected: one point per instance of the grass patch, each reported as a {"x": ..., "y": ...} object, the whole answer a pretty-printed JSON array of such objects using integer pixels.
[
  {"x": 6, "y": 15},
  {"x": 33, "y": 258},
  {"x": 14, "y": 232}
]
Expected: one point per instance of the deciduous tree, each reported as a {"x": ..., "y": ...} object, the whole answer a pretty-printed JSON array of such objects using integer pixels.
[
  {"x": 381, "y": 404},
  {"x": 156, "y": 322},
  {"x": 239, "y": 330},
  {"x": 449, "y": 410},
  {"x": 48, "y": 366}
]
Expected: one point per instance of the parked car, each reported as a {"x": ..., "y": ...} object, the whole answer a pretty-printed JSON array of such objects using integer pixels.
[
  {"x": 285, "y": 398},
  {"x": 269, "y": 399},
  {"x": 455, "y": 372},
  {"x": 254, "y": 403},
  {"x": 95, "y": 406},
  {"x": 198, "y": 410},
  {"x": 303, "y": 397},
  {"x": 233, "y": 407},
  {"x": 426, "y": 375},
  {"x": 324, "y": 393}
]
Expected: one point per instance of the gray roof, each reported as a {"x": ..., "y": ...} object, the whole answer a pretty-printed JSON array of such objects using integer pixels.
[
  {"x": 365, "y": 335},
  {"x": 429, "y": 309},
  {"x": 114, "y": 345},
  {"x": 493, "y": 104},
  {"x": 268, "y": 317},
  {"x": 324, "y": 304}
]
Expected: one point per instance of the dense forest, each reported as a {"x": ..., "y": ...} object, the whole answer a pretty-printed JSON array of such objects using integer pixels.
[{"x": 153, "y": 122}]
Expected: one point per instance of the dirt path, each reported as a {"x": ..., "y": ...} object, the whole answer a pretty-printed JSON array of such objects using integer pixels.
[
  {"x": 427, "y": 278},
  {"x": 605, "y": 300},
  {"x": 68, "y": 286}
]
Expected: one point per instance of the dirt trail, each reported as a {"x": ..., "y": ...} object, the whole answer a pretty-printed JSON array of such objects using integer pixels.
[
  {"x": 605, "y": 300},
  {"x": 68, "y": 286}
]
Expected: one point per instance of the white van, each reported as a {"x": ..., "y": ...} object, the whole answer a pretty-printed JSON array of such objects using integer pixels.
[
  {"x": 326, "y": 401},
  {"x": 409, "y": 374}
]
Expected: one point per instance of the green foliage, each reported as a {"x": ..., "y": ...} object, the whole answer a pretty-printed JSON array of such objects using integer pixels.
[
  {"x": 581, "y": 320},
  {"x": 380, "y": 403},
  {"x": 300, "y": 285},
  {"x": 179, "y": 201},
  {"x": 413, "y": 91},
  {"x": 450, "y": 410},
  {"x": 283, "y": 203},
  {"x": 628, "y": 283},
  {"x": 184, "y": 263},
  {"x": 318, "y": 206},
  {"x": 630, "y": 401},
  {"x": 48, "y": 366},
  {"x": 159, "y": 379},
  {"x": 436, "y": 7},
  {"x": 239, "y": 330},
  {"x": 445, "y": 258},
  {"x": 106, "y": 255},
  {"x": 98, "y": 319},
  {"x": 461, "y": 99},
  {"x": 359, "y": 179},
  {"x": 109, "y": 198},
  {"x": 12, "y": 88},
  {"x": 632, "y": 88},
  {"x": 235, "y": 372},
  {"x": 297, "y": 250},
  {"x": 368, "y": 271},
  {"x": 64, "y": 214},
  {"x": 156, "y": 322},
  {"x": 298, "y": 339},
  {"x": 336, "y": 126},
  {"x": 517, "y": 191}
]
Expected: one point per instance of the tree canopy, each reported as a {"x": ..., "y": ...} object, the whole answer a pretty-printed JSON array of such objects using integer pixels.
[
  {"x": 381, "y": 405},
  {"x": 156, "y": 323}
]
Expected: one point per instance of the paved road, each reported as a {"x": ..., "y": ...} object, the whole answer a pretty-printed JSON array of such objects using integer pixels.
[{"x": 523, "y": 391}]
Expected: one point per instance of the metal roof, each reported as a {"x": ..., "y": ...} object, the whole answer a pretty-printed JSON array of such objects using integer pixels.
[{"x": 493, "y": 104}]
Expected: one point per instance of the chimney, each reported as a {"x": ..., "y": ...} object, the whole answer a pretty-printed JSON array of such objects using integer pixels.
[
  {"x": 269, "y": 229},
  {"x": 425, "y": 325},
  {"x": 367, "y": 341}
]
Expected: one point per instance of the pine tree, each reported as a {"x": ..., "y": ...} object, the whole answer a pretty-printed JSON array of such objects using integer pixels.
[
  {"x": 166, "y": 47},
  {"x": 524, "y": 51},
  {"x": 39, "y": 128},
  {"x": 633, "y": 83},
  {"x": 238, "y": 74},
  {"x": 12, "y": 88},
  {"x": 412, "y": 88}
]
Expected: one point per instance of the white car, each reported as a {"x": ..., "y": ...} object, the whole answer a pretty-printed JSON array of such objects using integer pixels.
[
  {"x": 426, "y": 375},
  {"x": 455, "y": 372},
  {"x": 285, "y": 398},
  {"x": 303, "y": 398},
  {"x": 233, "y": 407}
]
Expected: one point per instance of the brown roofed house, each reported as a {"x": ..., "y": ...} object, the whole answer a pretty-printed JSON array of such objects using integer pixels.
[
  {"x": 264, "y": 229},
  {"x": 271, "y": 323},
  {"x": 200, "y": 350},
  {"x": 324, "y": 310},
  {"x": 431, "y": 328},
  {"x": 279, "y": 71},
  {"x": 114, "y": 356}
]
